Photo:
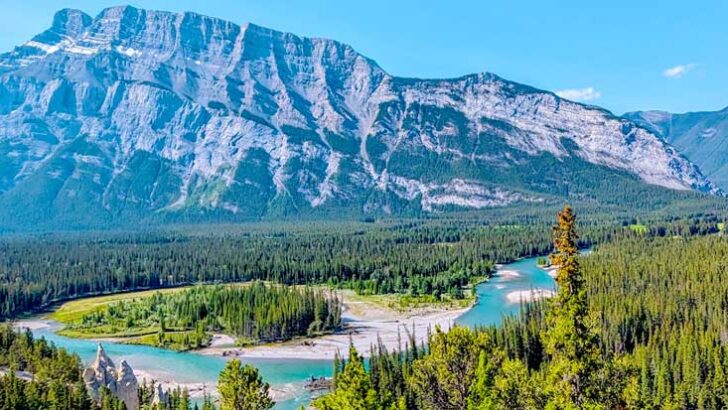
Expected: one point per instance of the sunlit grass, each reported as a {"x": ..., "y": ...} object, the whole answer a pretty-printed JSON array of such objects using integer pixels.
[
  {"x": 638, "y": 228},
  {"x": 74, "y": 311}
]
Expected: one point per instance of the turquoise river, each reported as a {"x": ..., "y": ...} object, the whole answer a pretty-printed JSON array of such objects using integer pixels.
[{"x": 288, "y": 375}]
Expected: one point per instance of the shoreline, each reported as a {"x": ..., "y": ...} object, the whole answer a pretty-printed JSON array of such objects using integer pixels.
[{"x": 364, "y": 324}]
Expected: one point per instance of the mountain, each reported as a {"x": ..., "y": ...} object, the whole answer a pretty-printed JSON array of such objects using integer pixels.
[
  {"x": 140, "y": 114},
  {"x": 701, "y": 136}
]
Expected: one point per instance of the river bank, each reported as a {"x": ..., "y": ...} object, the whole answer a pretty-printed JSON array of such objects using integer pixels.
[
  {"x": 366, "y": 321},
  {"x": 184, "y": 370},
  {"x": 364, "y": 324},
  {"x": 287, "y": 366}
]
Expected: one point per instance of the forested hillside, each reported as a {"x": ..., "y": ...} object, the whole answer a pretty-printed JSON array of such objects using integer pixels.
[
  {"x": 640, "y": 323},
  {"x": 664, "y": 304},
  {"x": 643, "y": 327},
  {"x": 416, "y": 257},
  {"x": 35, "y": 375}
]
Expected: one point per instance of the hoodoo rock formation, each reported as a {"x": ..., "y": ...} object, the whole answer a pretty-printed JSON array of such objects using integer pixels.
[{"x": 120, "y": 381}]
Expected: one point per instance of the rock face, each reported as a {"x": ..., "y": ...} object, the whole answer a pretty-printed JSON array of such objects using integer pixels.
[
  {"x": 139, "y": 112},
  {"x": 159, "y": 396},
  {"x": 121, "y": 382},
  {"x": 701, "y": 136}
]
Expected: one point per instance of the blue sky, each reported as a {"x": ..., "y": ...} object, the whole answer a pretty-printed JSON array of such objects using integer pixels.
[{"x": 622, "y": 55}]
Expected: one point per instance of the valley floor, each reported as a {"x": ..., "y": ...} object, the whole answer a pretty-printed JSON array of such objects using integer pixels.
[{"x": 366, "y": 321}]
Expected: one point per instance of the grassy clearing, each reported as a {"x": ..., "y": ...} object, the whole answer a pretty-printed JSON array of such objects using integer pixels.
[
  {"x": 71, "y": 314},
  {"x": 73, "y": 311},
  {"x": 403, "y": 303},
  {"x": 175, "y": 340},
  {"x": 106, "y": 332},
  {"x": 638, "y": 228},
  {"x": 134, "y": 318}
]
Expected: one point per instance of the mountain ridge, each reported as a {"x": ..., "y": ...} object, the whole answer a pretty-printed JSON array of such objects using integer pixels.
[
  {"x": 168, "y": 112},
  {"x": 702, "y": 136}
]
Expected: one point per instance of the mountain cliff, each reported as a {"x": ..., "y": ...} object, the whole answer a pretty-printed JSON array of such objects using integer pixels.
[
  {"x": 139, "y": 113},
  {"x": 701, "y": 136}
]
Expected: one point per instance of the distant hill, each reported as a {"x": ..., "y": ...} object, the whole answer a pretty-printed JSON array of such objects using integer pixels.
[{"x": 701, "y": 136}]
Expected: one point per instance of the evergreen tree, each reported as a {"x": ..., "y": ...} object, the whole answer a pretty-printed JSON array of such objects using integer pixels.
[
  {"x": 184, "y": 400},
  {"x": 515, "y": 388},
  {"x": 353, "y": 388},
  {"x": 110, "y": 402},
  {"x": 207, "y": 403},
  {"x": 569, "y": 338},
  {"x": 80, "y": 398},
  {"x": 461, "y": 363},
  {"x": 242, "y": 388}
]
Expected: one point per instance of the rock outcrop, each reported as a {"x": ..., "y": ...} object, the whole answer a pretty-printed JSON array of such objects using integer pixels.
[
  {"x": 159, "y": 396},
  {"x": 120, "y": 381}
]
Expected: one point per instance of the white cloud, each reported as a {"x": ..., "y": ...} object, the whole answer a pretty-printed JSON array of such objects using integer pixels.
[
  {"x": 678, "y": 71},
  {"x": 579, "y": 94}
]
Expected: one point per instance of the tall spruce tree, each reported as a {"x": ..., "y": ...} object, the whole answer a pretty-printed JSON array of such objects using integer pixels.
[{"x": 569, "y": 339}]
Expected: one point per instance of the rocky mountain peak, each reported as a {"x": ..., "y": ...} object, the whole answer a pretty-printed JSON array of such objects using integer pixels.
[
  {"x": 69, "y": 23},
  {"x": 157, "y": 113}
]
